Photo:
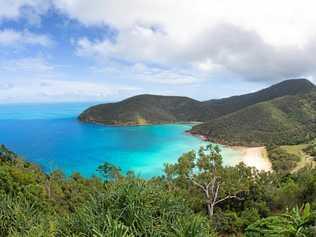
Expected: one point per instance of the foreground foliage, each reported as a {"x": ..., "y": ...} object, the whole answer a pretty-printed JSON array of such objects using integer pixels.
[
  {"x": 297, "y": 222},
  {"x": 33, "y": 203}
]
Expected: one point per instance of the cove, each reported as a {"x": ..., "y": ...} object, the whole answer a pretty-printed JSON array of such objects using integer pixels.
[{"x": 51, "y": 136}]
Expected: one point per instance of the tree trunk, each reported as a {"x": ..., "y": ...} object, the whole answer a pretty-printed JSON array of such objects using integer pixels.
[
  {"x": 209, "y": 205},
  {"x": 210, "y": 210}
]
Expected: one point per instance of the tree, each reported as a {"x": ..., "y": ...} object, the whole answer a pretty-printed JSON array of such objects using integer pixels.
[
  {"x": 109, "y": 171},
  {"x": 205, "y": 171}
]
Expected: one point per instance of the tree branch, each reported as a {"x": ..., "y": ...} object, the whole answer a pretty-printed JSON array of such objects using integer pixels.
[
  {"x": 213, "y": 183},
  {"x": 228, "y": 197},
  {"x": 198, "y": 184},
  {"x": 216, "y": 194}
]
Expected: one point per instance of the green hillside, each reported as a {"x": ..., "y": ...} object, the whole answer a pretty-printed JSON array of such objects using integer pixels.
[
  {"x": 235, "y": 103},
  {"x": 285, "y": 120},
  {"x": 155, "y": 109},
  {"x": 147, "y": 109}
]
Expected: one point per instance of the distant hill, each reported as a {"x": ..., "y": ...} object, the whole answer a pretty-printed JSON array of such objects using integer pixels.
[
  {"x": 147, "y": 109},
  {"x": 285, "y": 120},
  {"x": 254, "y": 118},
  {"x": 235, "y": 103}
]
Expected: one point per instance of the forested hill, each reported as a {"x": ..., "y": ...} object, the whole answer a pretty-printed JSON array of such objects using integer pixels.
[
  {"x": 148, "y": 109},
  {"x": 154, "y": 109},
  {"x": 235, "y": 103},
  {"x": 285, "y": 120}
]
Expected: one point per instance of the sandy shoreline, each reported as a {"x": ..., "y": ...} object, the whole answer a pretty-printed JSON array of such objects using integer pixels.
[
  {"x": 254, "y": 157},
  {"x": 251, "y": 156}
]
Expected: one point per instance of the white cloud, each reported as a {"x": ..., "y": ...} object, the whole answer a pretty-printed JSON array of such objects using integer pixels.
[
  {"x": 163, "y": 76},
  {"x": 55, "y": 90},
  {"x": 13, "y": 9},
  {"x": 29, "y": 67},
  {"x": 38, "y": 80},
  {"x": 256, "y": 40},
  {"x": 142, "y": 73},
  {"x": 182, "y": 42},
  {"x": 225, "y": 47},
  {"x": 244, "y": 52},
  {"x": 277, "y": 22},
  {"x": 136, "y": 44},
  {"x": 16, "y": 38},
  {"x": 206, "y": 65}
]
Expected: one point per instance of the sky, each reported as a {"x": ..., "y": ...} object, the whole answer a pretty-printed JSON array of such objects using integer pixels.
[{"x": 107, "y": 50}]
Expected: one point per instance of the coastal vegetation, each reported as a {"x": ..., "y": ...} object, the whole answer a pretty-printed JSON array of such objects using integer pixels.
[
  {"x": 289, "y": 158},
  {"x": 311, "y": 150},
  {"x": 247, "y": 202},
  {"x": 278, "y": 115},
  {"x": 282, "y": 160},
  {"x": 288, "y": 120},
  {"x": 146, "y": 109}
]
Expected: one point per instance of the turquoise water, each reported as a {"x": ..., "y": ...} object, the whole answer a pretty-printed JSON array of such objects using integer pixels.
[{"x": 52, "y": 137}]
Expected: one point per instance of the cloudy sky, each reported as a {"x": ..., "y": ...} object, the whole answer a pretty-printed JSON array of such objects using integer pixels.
[{"x": 92, "y": 50}]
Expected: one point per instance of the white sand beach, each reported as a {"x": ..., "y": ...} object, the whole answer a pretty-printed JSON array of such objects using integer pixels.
[{"x": 255, "y": 157}]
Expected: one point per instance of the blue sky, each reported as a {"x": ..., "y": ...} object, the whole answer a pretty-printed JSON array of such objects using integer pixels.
[{"x": 105, "y": 50}]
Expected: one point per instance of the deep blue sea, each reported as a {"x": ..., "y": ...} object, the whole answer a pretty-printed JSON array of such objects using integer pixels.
[{"x": 51, "y": 136}]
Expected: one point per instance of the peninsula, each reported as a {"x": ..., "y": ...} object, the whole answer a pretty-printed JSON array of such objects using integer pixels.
[{"x": 283, "y": 113}]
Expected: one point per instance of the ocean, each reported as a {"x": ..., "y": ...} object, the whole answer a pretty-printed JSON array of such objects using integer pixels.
[{"x": 51, "y": 136}]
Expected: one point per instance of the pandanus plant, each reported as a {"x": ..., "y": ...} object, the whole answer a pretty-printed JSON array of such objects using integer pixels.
[{"x": 299, "y": 222}]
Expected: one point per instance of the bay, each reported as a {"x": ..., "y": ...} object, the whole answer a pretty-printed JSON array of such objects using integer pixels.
[{"x": 51, "y": 136}]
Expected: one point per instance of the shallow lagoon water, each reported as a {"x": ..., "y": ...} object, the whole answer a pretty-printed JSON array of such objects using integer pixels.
[{"x": 51, "y": 136}]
